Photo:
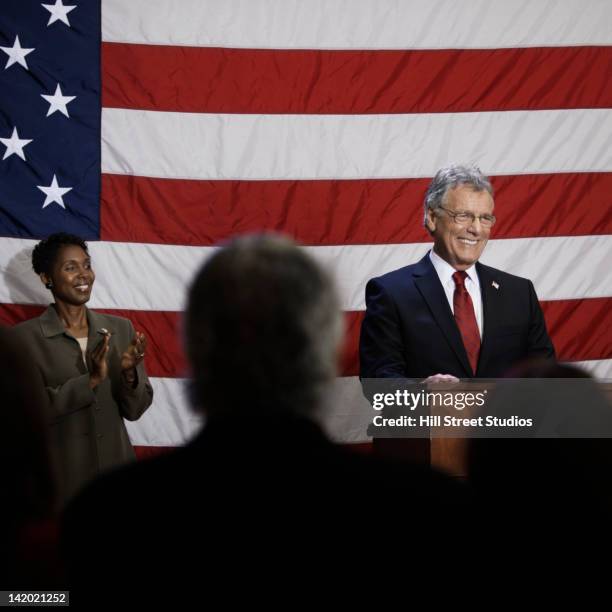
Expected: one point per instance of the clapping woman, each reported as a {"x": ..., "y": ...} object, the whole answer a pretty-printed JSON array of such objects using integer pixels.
[{"x": 91, "y": 365}]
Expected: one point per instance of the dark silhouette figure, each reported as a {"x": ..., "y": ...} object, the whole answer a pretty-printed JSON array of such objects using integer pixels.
[
  {"x": 28, "y": 538},
  {"x": 261, "y": 501},
  {"x": 558, "y": 487}
]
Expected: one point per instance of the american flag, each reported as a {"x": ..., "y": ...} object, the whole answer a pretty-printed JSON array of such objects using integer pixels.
[{"x": 157, "y": 128}]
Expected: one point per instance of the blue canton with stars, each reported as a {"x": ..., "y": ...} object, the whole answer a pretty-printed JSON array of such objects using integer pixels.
[{"x": 50, "y": 118}]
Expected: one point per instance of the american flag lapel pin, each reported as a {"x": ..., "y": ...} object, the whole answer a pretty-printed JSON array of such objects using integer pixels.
[{"x": 495, "y": 285}]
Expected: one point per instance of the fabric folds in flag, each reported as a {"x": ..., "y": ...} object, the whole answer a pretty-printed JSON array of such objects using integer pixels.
[{"x": 155, "y": 130}]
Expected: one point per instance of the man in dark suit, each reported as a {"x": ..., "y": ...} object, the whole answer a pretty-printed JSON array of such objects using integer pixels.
[
  {"x": 261, "y": 500},
  {"x": 448, "y": 316}
]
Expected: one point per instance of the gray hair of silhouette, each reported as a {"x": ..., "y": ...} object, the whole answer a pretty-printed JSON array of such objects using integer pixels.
[
  {"x": 450, "y": 177},
  {"x": 262, "y": 329}
]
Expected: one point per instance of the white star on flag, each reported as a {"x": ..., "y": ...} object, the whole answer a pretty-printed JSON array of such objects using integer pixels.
[
  {"x": 15, "y": 145},
  {"x": 54, "y": 193},
  {"x": 16, "y": 54},
  {"x": 59, "y": 12},
  {"x": 57, "y": 102}
]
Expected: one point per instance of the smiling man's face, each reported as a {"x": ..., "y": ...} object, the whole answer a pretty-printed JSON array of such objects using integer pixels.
[{"x": 461, "y": 245}]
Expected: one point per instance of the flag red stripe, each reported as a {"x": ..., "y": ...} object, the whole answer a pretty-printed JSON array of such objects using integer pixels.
[
  {"x": 579, "y": 330},
  {"x": 165, "y": 356},
  {"x": 222, "y": 80},
  {"x": 149, "y": 452},
  {"x": 331, "y": 212}
]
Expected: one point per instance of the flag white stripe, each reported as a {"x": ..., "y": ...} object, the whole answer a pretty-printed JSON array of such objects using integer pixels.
[
  {"x": 230, "y": 146},
  {"x": 358, "y": 24},
  {"x": 599, "y": 368},
  {"x": 171, "y": 422},
  {"x": 138, "y": 276}
]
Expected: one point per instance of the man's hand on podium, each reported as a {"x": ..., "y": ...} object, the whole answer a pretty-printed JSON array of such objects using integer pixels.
[{"x": 440, "y": 378}]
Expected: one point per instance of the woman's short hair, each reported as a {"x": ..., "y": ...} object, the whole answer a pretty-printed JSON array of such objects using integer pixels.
[{"x": 45, "y": 252}]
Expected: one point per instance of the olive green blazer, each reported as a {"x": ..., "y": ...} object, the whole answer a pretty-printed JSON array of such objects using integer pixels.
[{"x": 87, "y": 432}]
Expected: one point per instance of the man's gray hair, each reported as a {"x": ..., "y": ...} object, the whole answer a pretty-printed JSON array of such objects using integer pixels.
[
  {"x": 263, "y": 328},
  {"x": 449, "y": 177}
]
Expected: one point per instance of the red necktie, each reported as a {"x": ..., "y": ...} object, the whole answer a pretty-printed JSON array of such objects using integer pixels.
[{"x": 466, "y": 319}]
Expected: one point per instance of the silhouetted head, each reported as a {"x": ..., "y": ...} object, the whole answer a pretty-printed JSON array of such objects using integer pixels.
[
  {"x": 262, "y": 330},
  {"x": 564, "y": 472}
]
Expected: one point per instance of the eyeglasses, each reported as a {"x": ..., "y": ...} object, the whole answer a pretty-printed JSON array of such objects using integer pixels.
[{"x": 468, "y": 218}]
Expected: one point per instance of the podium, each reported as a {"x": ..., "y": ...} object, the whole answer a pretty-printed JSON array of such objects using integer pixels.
[{"x": 447, "y": 455}]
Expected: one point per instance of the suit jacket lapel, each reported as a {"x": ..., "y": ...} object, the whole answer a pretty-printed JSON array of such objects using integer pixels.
[
  {"x": 428, "y": 283},
  {"x": 491, "y": 298},
  {"x": 50, "y": 323}
]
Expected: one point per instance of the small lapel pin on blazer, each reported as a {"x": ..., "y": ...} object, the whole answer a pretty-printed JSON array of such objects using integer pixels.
[{"x": 495, "y": 285}]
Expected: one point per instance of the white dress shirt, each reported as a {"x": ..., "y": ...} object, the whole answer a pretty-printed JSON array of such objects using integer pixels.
[
  {"x": 83, "y": 344},
  {"x": 445, "y": 273}
]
